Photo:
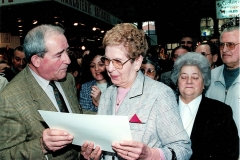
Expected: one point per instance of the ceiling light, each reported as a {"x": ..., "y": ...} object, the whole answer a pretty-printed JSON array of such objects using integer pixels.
[
  {"x": 102, "y": 31},
  {"x": 35, "y": 21},
  {"x": 83, "y": 47},
  {"x": 94, "y": 28},
  {"x": 19, "y": 26},
  {"x": 56, "y": 22},
  {"x": 19, "y": 20},
  {"x": 75, "y": 24},
  {"x": 20, "y": 30}
]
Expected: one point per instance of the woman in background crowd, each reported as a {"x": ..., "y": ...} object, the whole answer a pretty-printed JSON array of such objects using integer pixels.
[
  {"x": 150, "y": 68},
  {"x": 91, "y": 91},
  {"x": 208, "y": 122}
]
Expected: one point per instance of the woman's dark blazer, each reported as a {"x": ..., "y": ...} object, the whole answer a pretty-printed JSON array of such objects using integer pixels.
[{"x": 214, "y": 134}]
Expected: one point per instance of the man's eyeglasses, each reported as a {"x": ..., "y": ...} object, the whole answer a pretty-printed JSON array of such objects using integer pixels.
[
  {"x": 175, "y": 56},
  {"x": 188, "y": 42},
  {"x": 116, "y": 63},
  {"x": 230, "y": 45},
  {"x": 205, "y": 54},
  {"x": 149, "y": 71}
]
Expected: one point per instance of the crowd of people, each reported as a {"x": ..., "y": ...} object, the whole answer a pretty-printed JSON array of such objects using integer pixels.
[{"x": 187, "y": 102}]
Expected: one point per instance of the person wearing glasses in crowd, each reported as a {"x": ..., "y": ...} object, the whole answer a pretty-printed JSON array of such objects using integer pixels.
[
  {"x": 150, "y": 68},
  {"x": 208, "y": 122},
  {"x": 176, "y": 52},
  {"x": 225, "y": 82},
  {"x": 91, "y": 91},
  {"x": 210, "y": 51},
  {"x": 188, "y": 41},
  {"x": 151, "y": 107}
]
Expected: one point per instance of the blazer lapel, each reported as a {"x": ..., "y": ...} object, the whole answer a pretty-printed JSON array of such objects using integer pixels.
[
  {"x": 38, "y": 94},
  {"x": 130, "y": 99},
  {"x": 71, "y": 96},
  {"x": 200, "y": 120}
]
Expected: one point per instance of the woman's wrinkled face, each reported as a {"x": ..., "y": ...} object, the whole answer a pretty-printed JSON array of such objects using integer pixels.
[
  {"x": 122, "y": 77},
  {"x": 97, "y": 68},
  {"x": 190, "y": 82}
]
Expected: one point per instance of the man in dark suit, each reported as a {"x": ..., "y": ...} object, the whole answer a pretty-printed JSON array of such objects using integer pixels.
[
  {"x": 18, "y": 63},
  {"x": 24, "y": 134}
]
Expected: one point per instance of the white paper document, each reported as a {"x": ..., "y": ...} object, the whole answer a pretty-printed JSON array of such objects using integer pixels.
[{"x": 100, "y": 129}]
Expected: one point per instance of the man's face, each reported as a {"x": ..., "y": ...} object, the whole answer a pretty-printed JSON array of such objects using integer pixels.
[
  {"x": 230, "y": 57},
  {"x": 18, "y": 60},
  {"x": 178, "y": 53},
  {"x": 214, "y": 40},
  {"x": 205, "y": 50},
  {"x": 186, "y": 41},
  {"x": 53, "y": 66}
]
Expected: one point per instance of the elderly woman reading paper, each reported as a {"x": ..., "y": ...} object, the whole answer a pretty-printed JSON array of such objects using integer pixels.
[{"x": 151, "y": 106}]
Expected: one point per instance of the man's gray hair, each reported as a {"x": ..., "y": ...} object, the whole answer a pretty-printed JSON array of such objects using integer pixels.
[
  {"x": 192, "y": 59},
  {"x": 230, "y": 29},
  {"x": 34, "y": 42}
]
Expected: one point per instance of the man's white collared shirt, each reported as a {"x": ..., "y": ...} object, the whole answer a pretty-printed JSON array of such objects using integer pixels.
[{"x": 49, "y": 90}]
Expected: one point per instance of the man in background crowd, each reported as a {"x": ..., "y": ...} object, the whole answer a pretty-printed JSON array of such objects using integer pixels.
[
  {"x": 210, "y": 51},
  {"x": 225, "y": 81},
  {"x": 189, "y": 41},
  {"x": 18, "y": 62}
]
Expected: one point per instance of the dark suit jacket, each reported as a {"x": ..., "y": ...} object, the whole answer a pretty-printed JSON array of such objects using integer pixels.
[
  {"x": 21, "y": 124},
  {"x": 214, "y": 134}
]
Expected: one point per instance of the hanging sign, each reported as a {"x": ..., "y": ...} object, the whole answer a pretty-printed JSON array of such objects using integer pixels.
[
  {"x": 91, "y": 9},
  {"x": 228, "y": 9}
]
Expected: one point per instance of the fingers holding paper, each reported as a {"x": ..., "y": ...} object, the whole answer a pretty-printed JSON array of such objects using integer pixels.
[
  {"x": 88, "y": 151},
  {"x": 132, "y": 150},
  {"x": 53, "y": 139}
]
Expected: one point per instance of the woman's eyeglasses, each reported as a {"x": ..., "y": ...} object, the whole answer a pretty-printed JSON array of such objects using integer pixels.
[
  {"x": 116, "y": 63},
  {"x": 149, "y": 71},
  {"x": 230, "y": 45}
]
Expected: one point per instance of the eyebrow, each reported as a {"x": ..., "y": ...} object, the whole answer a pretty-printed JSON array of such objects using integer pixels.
[{"x": 61, "y": 52}]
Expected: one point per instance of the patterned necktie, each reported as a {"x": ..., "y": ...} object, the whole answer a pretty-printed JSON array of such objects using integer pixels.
[{"x": 60, "y": 101}]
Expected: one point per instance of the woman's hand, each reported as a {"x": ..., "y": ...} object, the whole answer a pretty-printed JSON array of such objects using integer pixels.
[
  {"x": 89, "y": 153},
  {"x": 95, "y": 93},
  {"x": 135, "y": 150}
]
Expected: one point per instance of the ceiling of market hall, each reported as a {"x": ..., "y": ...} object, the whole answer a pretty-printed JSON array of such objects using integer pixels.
[{"x": 172, "y": 17}]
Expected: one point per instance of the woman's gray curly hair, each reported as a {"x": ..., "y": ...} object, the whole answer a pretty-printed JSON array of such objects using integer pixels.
[{"x": 192, "y": 59}]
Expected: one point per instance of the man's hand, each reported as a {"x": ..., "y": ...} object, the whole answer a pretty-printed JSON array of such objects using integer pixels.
[
  {"x": 3, "y": 66},
  {"x": 53, "y": 140}
]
